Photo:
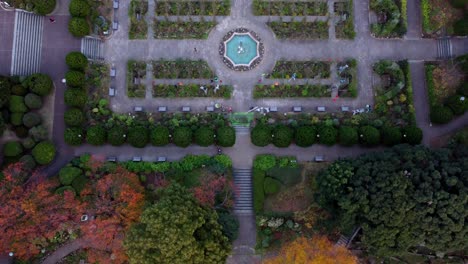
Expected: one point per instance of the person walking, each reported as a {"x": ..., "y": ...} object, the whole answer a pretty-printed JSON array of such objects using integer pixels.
[{"x": 52, "y": 20}]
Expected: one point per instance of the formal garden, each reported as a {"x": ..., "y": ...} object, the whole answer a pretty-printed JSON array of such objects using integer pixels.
[
  {"x": 90, "y": 17},
  {"x": 442, "y": 17},
  {"x": 289, "y": 8},
  {"x": 193, "y": 8},
  {"x": 390, "y": 18},
  {"x": 138, "y": 24},
  {"x": 344, "y": 27}
]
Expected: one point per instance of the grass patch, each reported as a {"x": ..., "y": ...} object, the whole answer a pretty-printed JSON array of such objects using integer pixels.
[
  {"x": 296, "y": 30},
  {"x": 182, "y": 30}
]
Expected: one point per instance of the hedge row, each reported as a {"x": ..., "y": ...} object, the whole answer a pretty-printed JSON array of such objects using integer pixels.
[
  {"x": 304, "y": 136},
  {"x": 139, "y": 136},
  {"x": 78, "y": 24}
]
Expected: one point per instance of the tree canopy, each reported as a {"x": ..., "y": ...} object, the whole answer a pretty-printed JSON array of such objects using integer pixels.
[{"x": 402, "y": 197}]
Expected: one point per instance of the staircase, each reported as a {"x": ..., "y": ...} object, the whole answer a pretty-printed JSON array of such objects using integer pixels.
[
  {"x": 27, "y": 43},
  {"x": 244, "y": 197},
  {"x": 444, "y": 48},
  {"x": 93, "y": 48},
  {"x": 242, "y": 130}
]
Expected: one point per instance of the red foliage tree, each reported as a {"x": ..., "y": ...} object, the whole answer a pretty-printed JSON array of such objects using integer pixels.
[{"x": 209, "y": 187}]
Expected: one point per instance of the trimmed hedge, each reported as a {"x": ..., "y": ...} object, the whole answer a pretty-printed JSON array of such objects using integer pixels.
[
  {"x": 76, "y": 61},
  {"x": 159, "y": 136},
  {"x": 305, "y": 136},
  {"x": 391, "y": 136},
  {"x": 282, "y": 136},
  {"x": 44, "y": 7},
  {"x": 73, "y": 136},
  {"x": 31, "y": 119},
  {"x": 16, "y": 119},
  {"x": 348, "y": 136},
  {"x": 182, "y": 136},
  {"x": 12, "y": 149},
  {"x": 17, "y": 105},
  {"x": 75, "y": 97},
  {"x": 226, "y": 136},
  {"x": 68, "y": 174},
  {"x": 78, "y": 27},
  {"x": 96, "y": 135},
  {"x": 138, "y": 136},
  {"x": 204, "y": 136},
  {"x": 412, "y": 135},
  {"x": 75, "y": 78},
  {"x": 39, "y": 84},
  {"x": 261, "y": 135},
  {"x": 33, "y": 101},
  {"x": 271, "y": 186},
  {"x": 441, "y": 114},
  {"x": 258, "y": 190},
  {"x": 117, "y": 135},
  {"x": 79, "y": 8},
  {"x": 44, "y": 152},
  {"x": 369, "y": 135},
  {"x": 327, "y": 135},
  {"x": 74, "y": 117}
]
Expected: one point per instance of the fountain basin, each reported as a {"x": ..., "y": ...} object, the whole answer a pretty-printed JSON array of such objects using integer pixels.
[{"x": 241, "y": 49}]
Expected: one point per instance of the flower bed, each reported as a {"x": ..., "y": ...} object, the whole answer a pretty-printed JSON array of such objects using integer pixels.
[
  {"x": 136, "y": 79},
  {"x": 345, "y": 29},
  {"x": 191, "y": 90},
  {"x": 282, "y": 8},
  {"x": 348, "y": 89},
  {"x": 138, "y": 25},
  {"x": 287, "y": 90},
  {"x": 193, "y": 8},
  {"x": 182, "y": 30},
  {"x": 302, "y": 69},
  {"x": 181, "y": 69},
  {"x": 391, "y": 16},
  {"x": 297, "y": 30}
]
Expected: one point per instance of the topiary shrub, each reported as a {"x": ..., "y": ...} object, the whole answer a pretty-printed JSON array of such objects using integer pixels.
[
  {"x": 327, "y": 135},
  {"x": 39, "y": 133},
  {"x": 79, "y": 8},
  {"x": 44, "y": 7},
  {"x": 138, "y": 136},
  {"x": 75, "y": 97},
  {"x": 33, "y": 101},
  {"x": 44, "y": 152},
  {"x": 76, "y": 61},
  {"x": 12, "y": 149},
  {"x": 369, "y": 135},
  {"x": 28, "y": 163},
  {"x": 261, "y": 135},
  {"x": 460, "y": 27},
  {"x": 28, "y": 143},
  {"x": 457, "y": 105},
  {"x": 39, "y": 84},
  {"x": 64, "y": 189},
  {"x": 412, "y": 135},
  {"x": 117, "y": 135},
  {"x": 73, "y": 136},
  {"x": 204, "y": 136},
  {"x": 271, "y": 186},
  {"x": 17, "y": 105},
  {"x": 5, "y": 90},
  {"x": 159, "y": 136},
  {"x": 305, "y": 136},
  {"x": 348, "y": 136},
  {"x": 31, "y": 119},
  {"x": 282, "y": 136},
  {"x": 19, "y": 90},
  {"x": 264, "y": 162},
  {"x": 78, "y": 27},
  {"x": 74, "y": 117},
  {"x": 182, "y": 136},
  {"x": 21, "y": 131},
  {"x": 96, "y": 135},
  {"x": 226, "y": 136},
  {"x": 68, "y": 174},
  {"x": 79, "y": 183},
  {"x": 75, "y": 78},
  {"x": 16, "y": 119},
  {"x": 391, "y": 136},
  {"x": 441, "y": 114}
]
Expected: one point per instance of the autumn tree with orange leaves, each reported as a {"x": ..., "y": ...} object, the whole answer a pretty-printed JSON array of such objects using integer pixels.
[{"x": 318, "y": 250}]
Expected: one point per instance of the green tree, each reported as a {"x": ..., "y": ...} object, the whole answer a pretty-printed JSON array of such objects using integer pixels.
[
  {"x": 17, "y": 105},
  {"x": 261, "y": 135},
  {"x": 78, "y": 27},
  {"x": 176, "y": 229},
  {"x": 76, "y": 61},
  {"x": 75, "y": 79},
  {"x": 79, "y": 8},
  {"x": 44, "y": 152},
  {"x": 75, "y": 97},
  {"x": 348, "y": 136},
  {"x": 74, "y": 117},
  {"x": 96, "y": 135},
  {"x": 305, "y": 136},
  {"x": 182, "y": 136},
  {"x": 31, "y": 119},
  {"x": 44, "y": 7},
  {"x": 226, "y": 136},
  {"x": 117, "y": 135},
  {"x": 73, "y": 136},
  {"x": 441, "y": 114},
  {"x": 159, "y": 136},
  {"x": 412, "y": 135},
  {"x": 457, "y": 104},
  {"x": 39, "y": 84},
  {"x": 369, "y": 135},
  {"x": 138, "y": 136},
  {"x": 391, "y": 136},
  {"x": 12, "y": 149},
  {"x": 33, "y": 101},
  {"x": 327, "y": 135},
  {"x": 204, "y": 136},
  {"x": 282, "y": 136},
  {"x": 68, "y": 174}
]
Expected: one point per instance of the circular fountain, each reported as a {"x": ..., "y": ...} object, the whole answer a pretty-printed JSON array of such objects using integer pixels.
[{"x": 241, "y": 49}]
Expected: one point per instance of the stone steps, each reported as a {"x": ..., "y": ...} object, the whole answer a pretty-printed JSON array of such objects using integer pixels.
[
  {"x": 27, "y": 43},
  {"x": 444, "y": 48},
  {"x": 92, "y": 48},
  {"x": 242, "y": 130},
  {"x": 244, "y": 196}
]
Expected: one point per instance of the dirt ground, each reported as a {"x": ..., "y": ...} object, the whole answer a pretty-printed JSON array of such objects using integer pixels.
[{"x": 447, "y": 78}]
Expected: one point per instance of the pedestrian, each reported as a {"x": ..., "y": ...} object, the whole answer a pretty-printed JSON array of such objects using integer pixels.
[
  {"x": 211, "y": 80},
  {"x": 52, "y": 20},
  {"x": 195, "y": 50},
  {"x": 220, "y": 81},
  {"x": 259, "y": 80}
]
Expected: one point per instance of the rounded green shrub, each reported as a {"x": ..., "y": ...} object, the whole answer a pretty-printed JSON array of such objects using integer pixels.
[
  {"x": 73, "y": 136},
  {"x": 39, "y": 133},
  {"x": 17, "y": 105},
  {"x": 44, "y": 152},
  {"x": 78, "y": 27},
  {"x": 441, "y": 114},
  {"x": 369, "y": 135},
  {"x": 460, "y": 27},
  {"x": 39, "y": 84},
  {"x": 19, "y": 90},
  {"x": 74, "y": 117},
  {"x": 348, "y": 136},
  {"x": 75, "y": 97},
  {"x": 391, "y": 136},
  {"x": 33, "y": 101},
  {"x": 5, "y": 91},
  {"x": 463, "y": 89},
  {"x": 261, "y": 135},
  {"x": 75, "y": 79},
  {"x": 458, "y": 104},
  {"x": 76, "y": 61},
  {"x": 21, "y": 131},
  {"x": 44, "y": 7},
  {"x": 31, "y": 119},
  {"x": 117, "y": 135},
  {"x": 64, "y": 189},
  {"x": 12, "y": 149},
  {"x": 79, "y": 183},
  {"x": 159, "y": 136},
  {"x": 204, "y": 136},
  {"x": 182, "y": 137},
  {"x": 412, "y": 135},
  {"x": 28, "y": 143},
  {"x": 226, "y": 136},
  {"x": 68, "y": 174},
  {"x": 271, "y": 186},
  {"x": 96, "y": 135},
  {"x": 79, "y": 8},
  {"x": 327, "y": 135},
  {"x": 282, "y": 136},
  {"x": 138, "y": 136},
  {"x": 28, "y": 163},
  {"x": 16, "y": 119},
  {"x": 305, "y": 136},
  {"x": 264, "y": 162}
]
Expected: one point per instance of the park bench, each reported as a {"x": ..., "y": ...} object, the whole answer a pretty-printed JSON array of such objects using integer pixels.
[
  {"x": 116, "y": 4},
  {"x": 162, "y": 159},
  {"x": 210, "y": 109},
  {"x": 137, "y": 159},
  {"x": 297, "y": 109},
  {"x": 162, "y": 109},
  {"x": 112, "y": 159},
  {"x": 273, "y": 109},
  {"x": 115, "y": 25},
  {"x": 321, "y": 108},
  {"x": 319, "y": 159},
  {"x": 345, "y": 109},
  {"x": 186, "y": 109},
  {"x": 111, "y": 91},
  {"x": 138, "y": 109},
  {"x": 113, "y": 72}
]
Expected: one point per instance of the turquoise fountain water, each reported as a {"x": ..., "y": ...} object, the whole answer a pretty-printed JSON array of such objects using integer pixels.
[{"x": 241, "y": 49}]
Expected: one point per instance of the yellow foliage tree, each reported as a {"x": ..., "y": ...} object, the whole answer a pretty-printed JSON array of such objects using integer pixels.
[{"x": 318, "y": 250}]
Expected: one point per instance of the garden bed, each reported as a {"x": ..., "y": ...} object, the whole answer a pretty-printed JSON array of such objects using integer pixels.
[
  {"x": 283, "y": 8},
  {"x": 344, "y": 29},
  {"x": 182, "y": 30},
  {"x": 136, "y": 79},
  {"x": 193, "y": 8},
  {"x": 391, "y": 18},
  {"x": 191, "y": 90},
  {"x": 302, "y": 70},
  {"x": 288, "y": 90},
  {"x": 97, "y": 80},
  {"x": 440, "y": 17},
  {"x": 181, "y": 69},
  {"x": 295, "y": 30},
  {"x": 347, "y": 71},
  {"x": 138, "y": 25}
]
